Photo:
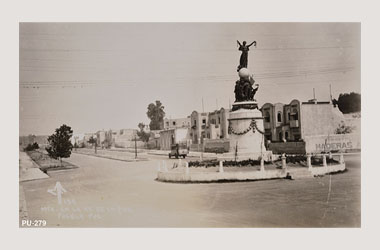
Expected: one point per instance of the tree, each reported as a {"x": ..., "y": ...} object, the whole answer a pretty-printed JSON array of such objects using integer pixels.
[
  {"x": 32, "y": 147},
  {"x": 343, "y": 129},
  {"x": 60, "y": 143},
  {"x": 144, "y": 136},
  {"x": 94, "y": 142},
  {"x": 348, "y": 103},
  {"x": 156, "y": 115}
]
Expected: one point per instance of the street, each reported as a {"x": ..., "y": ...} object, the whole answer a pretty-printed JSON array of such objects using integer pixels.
[{"x": 112, "y": 193}]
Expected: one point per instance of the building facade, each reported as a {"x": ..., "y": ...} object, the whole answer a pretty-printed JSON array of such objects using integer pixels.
[
  {"x": 296, "y": 120},
  {"x": 124, "y": 138},
  {"x": 218, "y": 124},
  {"x": 101, "y": 138},
  {"x": 199, "y": 123},
  {"x": 169, "y": 137},
  {"x": 177, "y": 123},
  {"x": 209, "y": 125}
]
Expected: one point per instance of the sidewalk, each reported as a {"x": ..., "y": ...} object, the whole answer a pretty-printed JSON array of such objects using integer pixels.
[
  {"x": 28, "y": 170},
  {"x": 120, "y": 155}
]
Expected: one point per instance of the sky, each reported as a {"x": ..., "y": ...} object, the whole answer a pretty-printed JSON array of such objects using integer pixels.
[{"x": 94, "y": 76}]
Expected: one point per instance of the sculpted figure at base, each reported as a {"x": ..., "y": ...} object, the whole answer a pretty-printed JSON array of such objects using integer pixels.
[{"x": 245, "y": 87}]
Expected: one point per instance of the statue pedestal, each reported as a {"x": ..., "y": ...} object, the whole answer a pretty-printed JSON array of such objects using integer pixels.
[{"x": 246, "y": 128}]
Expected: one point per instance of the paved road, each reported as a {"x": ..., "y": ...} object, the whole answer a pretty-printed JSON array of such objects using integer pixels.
[{"x": 110, "y": 193}]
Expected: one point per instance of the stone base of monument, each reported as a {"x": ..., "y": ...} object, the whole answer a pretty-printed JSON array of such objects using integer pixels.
[
  {"x": 246, "y": 134},
  {"x": 244, "y": 105}
]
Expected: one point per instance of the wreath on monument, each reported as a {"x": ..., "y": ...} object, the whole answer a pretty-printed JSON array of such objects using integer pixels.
[{"x": 252, "y": 126}]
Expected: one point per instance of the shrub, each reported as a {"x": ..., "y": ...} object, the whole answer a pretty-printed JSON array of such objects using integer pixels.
[{"x": 32, "y": 147}]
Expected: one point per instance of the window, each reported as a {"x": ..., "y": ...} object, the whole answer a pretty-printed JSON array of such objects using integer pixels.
[
  {"x": 286, "y": 135},
  {"x": 204, "y": 121},
  {"x": 268, "y": 137},
  {"x": 195, "y": 122},
  {"x": 167, "y": 124},
  {"x": 288, "y": 116},
  {"x": 280, "y": 136},
  {"x": 279, "y": 117},
  {"x": 267, "y": 117},
  {"x": 219, "y": 120},
  {"x": 296, "y": 116},
  {"x": 173, "y": 123}
]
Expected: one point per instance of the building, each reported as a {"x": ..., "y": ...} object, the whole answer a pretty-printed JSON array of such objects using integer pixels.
[
  {"x": 217, "y": 124},
  {"x": 296, "y": 120},
  {"x": 41, "y": 140},
  {"x": 86, "y": 138},
  {"x": 154, "y": 139},
  {"x": 101, "y": 138},
  {"x": 124, "y": 138},
  {"x": 110, "y": 137},
  {"x": 307, "y": 127},
  {"x": 177, "y": 123},
  {"x": 172, "y": 136},
  {"x": 199, "y": 123}
]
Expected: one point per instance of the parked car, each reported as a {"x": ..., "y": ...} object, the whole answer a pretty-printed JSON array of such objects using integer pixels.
[{"x": 179, "y": 150}]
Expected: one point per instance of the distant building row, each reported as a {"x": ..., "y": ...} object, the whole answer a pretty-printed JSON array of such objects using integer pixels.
[
  {"x": 296, "y": 123},
  {"x": 195, "y": 129},
  {"x": 122, "y": 138}
]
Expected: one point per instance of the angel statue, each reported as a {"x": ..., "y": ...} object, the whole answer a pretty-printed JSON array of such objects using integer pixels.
[{"x": 244, "y": 48}]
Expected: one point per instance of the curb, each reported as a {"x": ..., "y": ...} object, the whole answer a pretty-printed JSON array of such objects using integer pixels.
[
  {"x": 111, "y": 158},
  {"x": 23, "y": 210}
]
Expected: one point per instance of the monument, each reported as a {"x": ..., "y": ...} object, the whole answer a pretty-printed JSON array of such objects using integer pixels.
[{"x": 246, "y": 125}]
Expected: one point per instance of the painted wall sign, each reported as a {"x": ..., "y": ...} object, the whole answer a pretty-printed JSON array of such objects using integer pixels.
[{"x": 335, "y": 143}]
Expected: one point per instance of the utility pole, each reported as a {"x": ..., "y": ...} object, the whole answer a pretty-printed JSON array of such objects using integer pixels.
[
  {"x": 313, "y": 93},
  {"x": 330, "y": 94},
  {"x": 203, "y": 107},
  {"x": 135, "y": 147}
]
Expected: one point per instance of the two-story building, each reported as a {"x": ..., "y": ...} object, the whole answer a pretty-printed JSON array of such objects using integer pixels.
[
  {"x": 199, "y": 122},
  {"x": 217, "y": 127},
  {"x": 177, "y": 123},
  {"x": 282, "y": 121},
  {"x": 296, "y": 120}
]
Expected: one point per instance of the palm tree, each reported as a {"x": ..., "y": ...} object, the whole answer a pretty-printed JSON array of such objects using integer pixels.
[{"x": 156, "y": 115}]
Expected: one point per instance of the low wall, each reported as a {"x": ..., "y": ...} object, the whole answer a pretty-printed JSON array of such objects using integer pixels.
[
  {"x": 217, "y": 146},
  {"x": 217, "y": 176},
  {"x": 335, "y": 143},
  {"x": 182, "y": 176},
  {"x": 129, "y": 144},
  {"x": 287, "y": 147},
  {"x": 328, "y": 169}
]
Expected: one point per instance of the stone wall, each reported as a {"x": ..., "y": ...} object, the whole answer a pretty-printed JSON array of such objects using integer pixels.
[
  {"x": 287, "y": 147},
  {"x": 217, "y": 146}
]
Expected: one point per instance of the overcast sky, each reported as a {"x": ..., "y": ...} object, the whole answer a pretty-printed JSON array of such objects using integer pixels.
[{"x": 103, "y": 75}]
